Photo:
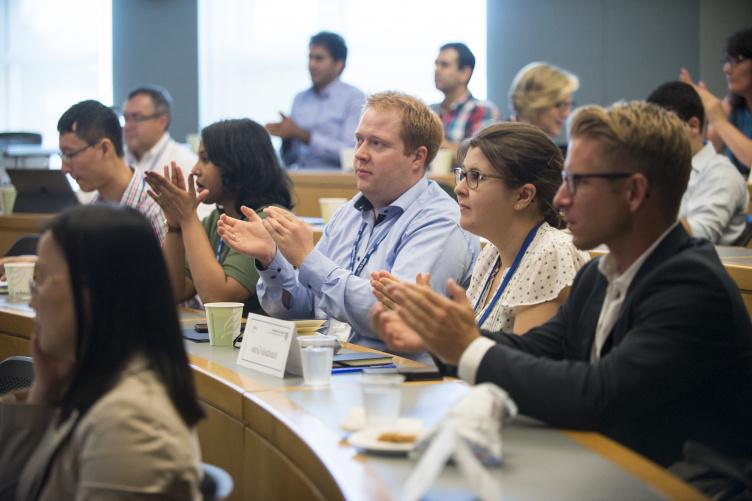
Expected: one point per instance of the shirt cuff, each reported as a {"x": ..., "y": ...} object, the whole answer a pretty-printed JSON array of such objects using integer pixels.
[
  {"x": 472, "y": 357},
  {"x": 314, "y": 270},
  {"x": 272, "y": 271}
]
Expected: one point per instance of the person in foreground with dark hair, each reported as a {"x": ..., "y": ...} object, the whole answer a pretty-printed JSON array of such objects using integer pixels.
[
  {"x": 653, "y": 347},
  {"x": 505, "y": 190},
  {"x": 238, "y": 170},
  {"x": 715, "y": 203},
  {"x": 323, "y": 117},
  {"x": 112, "y": 409},
  {"x": 730, "y": 120},
  {"x": 91, "y": 148}
]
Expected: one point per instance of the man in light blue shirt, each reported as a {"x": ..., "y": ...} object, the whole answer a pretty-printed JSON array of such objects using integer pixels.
[
  {"x": 324, "y": 116},
  {"x": 714, "y": 206},
  {"x": 400, "y": 222}
]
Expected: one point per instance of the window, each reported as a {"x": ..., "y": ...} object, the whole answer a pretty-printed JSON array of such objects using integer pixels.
[
  {"x": 52, "y": 55},
  {"x": 253, "y": 54}
]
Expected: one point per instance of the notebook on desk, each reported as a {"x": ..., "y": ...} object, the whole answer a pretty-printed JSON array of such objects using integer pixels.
[{"x": 41, "y": 190}]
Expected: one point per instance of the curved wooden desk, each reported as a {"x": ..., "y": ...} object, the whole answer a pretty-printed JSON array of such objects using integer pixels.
[
  {"x": 281, "y": 440},
  {"x": 311, "y": 184}
]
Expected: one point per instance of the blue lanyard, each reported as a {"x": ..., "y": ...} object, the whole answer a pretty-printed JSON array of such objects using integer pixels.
[
  {"x": 220, "y": 247},
  {"x": 520, "y": 253},
  {"x": 369, "y": 252}
]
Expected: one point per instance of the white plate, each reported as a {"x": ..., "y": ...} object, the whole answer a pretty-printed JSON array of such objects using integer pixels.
[{"x": 368, "y": 440}]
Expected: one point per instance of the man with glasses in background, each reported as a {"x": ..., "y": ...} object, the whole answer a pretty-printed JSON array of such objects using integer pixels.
[
  {"x": 91, "y": 148},
  {"x": 147, "y": 114},
  {"x": 653, "y": 347}
]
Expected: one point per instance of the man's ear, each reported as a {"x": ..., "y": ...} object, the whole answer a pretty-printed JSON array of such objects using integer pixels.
[
  {"x": 467, "y": 72},
  {"x": 638, "y": 192},
  {"x": 694, "y": 125},
  {"x": 421, "y": 155}
]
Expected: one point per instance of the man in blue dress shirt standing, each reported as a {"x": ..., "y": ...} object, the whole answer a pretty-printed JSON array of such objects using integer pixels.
[
  {"x": 324, "y": 116},
  {"x": 400, "y": 221}
]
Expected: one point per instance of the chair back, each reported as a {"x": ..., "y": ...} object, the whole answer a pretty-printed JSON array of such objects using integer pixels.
[
  {"x": 15, "y": 373},
  {"x": 25, "y": 245}
]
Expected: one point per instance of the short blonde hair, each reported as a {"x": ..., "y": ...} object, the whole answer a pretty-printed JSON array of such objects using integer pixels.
[
  {"x": 420, "y": 125},
  {"x": 640, "y": 137},
  {"x": 538, "y": 86}
]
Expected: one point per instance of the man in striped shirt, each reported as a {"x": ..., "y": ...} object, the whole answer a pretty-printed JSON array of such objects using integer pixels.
[
  {"x": 462, "y": 114},
  {"x": 91, "y": 148}
]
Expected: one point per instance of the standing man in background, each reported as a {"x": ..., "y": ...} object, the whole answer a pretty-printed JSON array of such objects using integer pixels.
[
  {"x": 324, "y": 116},
  {"x": 462, "y": 114}
]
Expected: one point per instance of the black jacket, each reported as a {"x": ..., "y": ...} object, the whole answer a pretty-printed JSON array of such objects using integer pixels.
[{"x": 677, "y": 365}]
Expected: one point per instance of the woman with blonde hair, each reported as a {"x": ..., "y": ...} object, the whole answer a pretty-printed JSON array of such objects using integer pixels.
[{"x": 541, "y": 95}]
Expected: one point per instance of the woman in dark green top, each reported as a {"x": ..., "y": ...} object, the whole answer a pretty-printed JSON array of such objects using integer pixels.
[{"x": 236, "y": 166}]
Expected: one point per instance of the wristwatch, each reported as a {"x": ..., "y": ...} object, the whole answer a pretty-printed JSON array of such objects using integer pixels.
[{"x": 171, "y": 229}]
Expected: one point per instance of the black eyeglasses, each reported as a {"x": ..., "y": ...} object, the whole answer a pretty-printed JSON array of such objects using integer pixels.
[
  {"x": 472, "y": 177},
  {"x": 67, "y": 157},
  {"x": 572, "y": 180},
  {"x": 138, "y": 118}
]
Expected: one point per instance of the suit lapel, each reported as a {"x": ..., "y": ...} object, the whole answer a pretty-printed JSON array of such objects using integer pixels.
[{"x": 670, "y": 246}]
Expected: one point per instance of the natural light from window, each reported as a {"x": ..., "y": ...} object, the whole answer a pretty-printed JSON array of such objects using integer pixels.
[
  {"x": 52, "y": 54},
  {"x": 253, "y": 54}
]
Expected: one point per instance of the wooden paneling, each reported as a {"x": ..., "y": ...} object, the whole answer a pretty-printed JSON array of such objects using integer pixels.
[
  {"x": 221, "y": 439},
  {"x": 270, "y": 474},
  {"x": 12, "y": 346},
  {"x": 17, "y": 225},
  {"x": 309, "y": 186}
]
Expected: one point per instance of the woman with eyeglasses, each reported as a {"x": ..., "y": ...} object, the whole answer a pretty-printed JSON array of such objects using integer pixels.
[
  {"x": 112, "y": 410},
  {"x": 505, "y": 188},
  {"x": 237, "y": 169},
  {"x": 730, "y": 120},
  {"x": 541, "y": 95}
]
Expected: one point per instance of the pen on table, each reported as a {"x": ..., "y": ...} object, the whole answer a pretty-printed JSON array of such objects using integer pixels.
[{"x": 346, "y": 370}]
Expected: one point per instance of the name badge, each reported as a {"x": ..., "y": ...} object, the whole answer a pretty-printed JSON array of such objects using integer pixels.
[{"x": 270, "y": 346}]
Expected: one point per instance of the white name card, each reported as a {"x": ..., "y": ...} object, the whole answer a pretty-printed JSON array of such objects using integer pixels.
[{"x": 270, "y": 346}]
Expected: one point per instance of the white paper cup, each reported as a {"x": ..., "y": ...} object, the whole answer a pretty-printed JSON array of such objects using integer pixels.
[
  {"x": 223, "y": 320},
  {"x": 7, "y": 199},
  {"x": 19, "y": 276},
  {"x": 442, "y": 164},
  {"x": 381, "y": 399},
  {"x": 347, "y": 158},
  {"x": 329, "y": 206},
  {"x": 316, "y": 354}
]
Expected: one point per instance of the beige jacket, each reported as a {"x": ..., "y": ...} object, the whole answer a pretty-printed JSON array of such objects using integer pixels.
[{"x": 132, "y": 444}]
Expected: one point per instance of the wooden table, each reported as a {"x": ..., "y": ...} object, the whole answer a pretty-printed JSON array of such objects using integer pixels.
[
  {"x": 281, "y": 440},
  {"x": 14, "y": 226},
  {"x": 311, "y": 184}
]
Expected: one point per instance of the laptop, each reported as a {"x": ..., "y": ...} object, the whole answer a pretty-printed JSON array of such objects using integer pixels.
[{"x": 41, "y": 190}]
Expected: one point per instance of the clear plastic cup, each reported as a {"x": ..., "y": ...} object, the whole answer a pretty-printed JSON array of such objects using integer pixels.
[
  {"x": 19, "y": 276},
  {"x": 381, "y": 399},
  {"x": 223, "y": 320},
  {"x": 316, "y": 354}
]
